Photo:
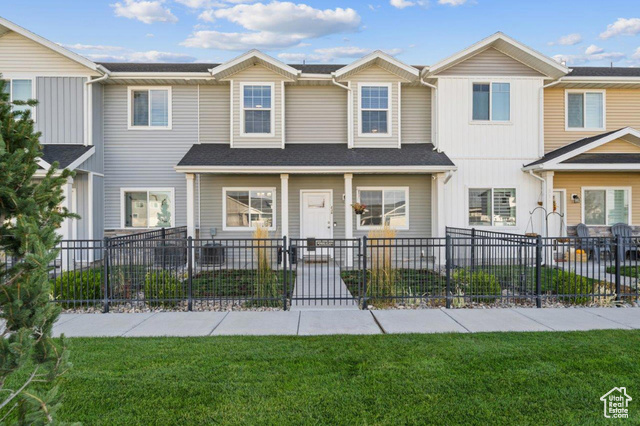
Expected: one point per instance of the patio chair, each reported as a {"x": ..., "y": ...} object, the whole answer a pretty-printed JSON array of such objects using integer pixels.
[
  {"x": 589, "y": 244},
  {"x": 627, "y": 243}
]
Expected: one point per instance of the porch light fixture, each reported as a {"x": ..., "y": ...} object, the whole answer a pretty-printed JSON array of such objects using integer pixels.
[{"x": 575, "y": 198}]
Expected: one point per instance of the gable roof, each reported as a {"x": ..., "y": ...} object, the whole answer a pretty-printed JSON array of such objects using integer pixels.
[
  {"x": 6, "y": 25},
  {"x": 384, "y": 60},
  {"x": 604, "y": 72},
  {"x": 68, "y": 156},
  {"x": 250, "y": 58},
  {"x": 509, "y": 47},
  {"x": 569, "y": 156}
]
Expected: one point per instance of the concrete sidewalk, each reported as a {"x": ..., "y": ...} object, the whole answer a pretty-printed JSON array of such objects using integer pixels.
[{"x": 322, "y": 322}]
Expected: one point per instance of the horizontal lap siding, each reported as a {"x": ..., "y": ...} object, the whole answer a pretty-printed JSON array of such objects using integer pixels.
[
  {"x": 214, "y": 113},
  {"x": 574, "y": 182},
  {"x": 59, "y": 114},
  {"x": 615, "y": 147},
  {"x": 316, "y": 114},
  {"x": 416, "y": 114},
  {"x": 622, "y": 110},
  {"x": 145, "y": 158},
  {"x": 491, "y": 62}
]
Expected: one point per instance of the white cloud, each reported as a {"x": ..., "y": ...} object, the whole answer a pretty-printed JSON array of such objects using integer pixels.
[
  {"x": 80, "y": 46},
  {"x": 636, "y": 55},
  {"x": 274, "y": 25},
  {"x": 592, "y": 53},
  {"x": 401, "y": 4},
  {"x": 148, "y": 56},
  {"x": 593, "y": 49},
  {"x": 205, "y": 4},
  {"x": 568, "y": 40},
  {"x": 452, "y": 2},
  {"x": 622, "y": 26},
  {"x": 330, "y": 54},
  {"x": 150, "y": 35},
  {"x": 144, "y": 11}
]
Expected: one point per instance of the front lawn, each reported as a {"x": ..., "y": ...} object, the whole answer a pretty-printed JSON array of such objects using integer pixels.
[{"x": 497, "y": 378}]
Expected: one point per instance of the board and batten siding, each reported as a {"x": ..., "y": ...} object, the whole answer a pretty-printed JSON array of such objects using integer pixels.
[
  {"x": 491, "y": 62},
  {"x": 622, "y": 110},
  {"x": 315, "y": 114},
  {"x": 19, "y": 54},
  {"x": 416, "y": 114},
  {"x": 145, "y": 158},
  {"x": 60, "y": 109},
  {"x": 257, "y": 74},
  {"x": 215, "y": 114},
  {"x": 573, "y": 182}
]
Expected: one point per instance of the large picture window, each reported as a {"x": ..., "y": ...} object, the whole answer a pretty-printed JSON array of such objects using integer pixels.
[
  {"x": 491, "y": 102},
  {"x": 385, "y": 207},
  {"x": 147, "y": 208},
  {"x": 606, "y": 206},
  {"x": 149, "y": 108},
  {"x": 247, "y": 208},
  {"x": 20, "y": 90},
  {"x": 585, "y": 110},
  {"x": 492, "y": 207},
  {"x": 374, "y": 109},
  {"x": 257, "y": 109}
]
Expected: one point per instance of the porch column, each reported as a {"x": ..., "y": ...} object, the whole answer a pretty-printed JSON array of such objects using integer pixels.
[
  {"x": 191, "y": 205},
  {"x": 348, "y": 213},
  {"x": 438, "y": 225},
  {"x": 284, "y": 197},
  {"x": 66, "y": 225},
  {"x": 548, "y": 198}
]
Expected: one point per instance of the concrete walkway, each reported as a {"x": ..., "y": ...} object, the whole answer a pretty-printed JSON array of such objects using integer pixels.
[
  {"x": 319, "y": 286},
  {"x": 319, "y": 322}
]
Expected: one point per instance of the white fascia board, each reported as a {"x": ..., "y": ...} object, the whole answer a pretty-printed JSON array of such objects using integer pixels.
[
  {"x": 378, "y": 54},
  {"x": 51, "y": 45},
  {"x": 163, "y": 75},
  {"x": 313, "y": 169},
  {"x": 82, "y": 158},
  {"x": 577, "y": 167},
  {"x": 43, "y": 164},
  {"x": 255, "y": 54}
]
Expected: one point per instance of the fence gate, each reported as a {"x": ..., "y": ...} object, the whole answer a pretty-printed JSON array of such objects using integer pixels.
[{"x": 326, "y": 273}]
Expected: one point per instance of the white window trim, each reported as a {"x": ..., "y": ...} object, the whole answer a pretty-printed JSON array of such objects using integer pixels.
[
  {"x": 272, "y": 109},
  {"x": 130, "y": 90},
  {"x": 384, "y": 188},
  {"x": 491, "y": 121},
  {"x": 606, "y": 219},
  {"x": 248, "y": 228},
  {"x": 389, "y": 110},
  {"x": 123, "y": 209},
  {"x": 584, "y": 110},
  {"x": 492, "y": 188},
  {"x": 33, "y": 90}
]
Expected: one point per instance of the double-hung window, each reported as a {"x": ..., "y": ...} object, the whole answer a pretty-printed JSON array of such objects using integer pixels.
[
  {"x": 147, "y": 208},
  {"x": 257, "y": 109},
  {"x": 491, "y": 102},
  {"x": 247, "y": 208},
  {"x": 605, "y": 206},
  {"x": 374, "y": 109},
  {"x": 149, "y": 107},
  {"x": 585, "y": 110},
  {"x": 20, "y": 89},
  {"x": 492, "y": 207},
  {"x": 385, "y": 207}
]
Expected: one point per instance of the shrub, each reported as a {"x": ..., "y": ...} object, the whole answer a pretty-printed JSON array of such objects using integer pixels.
[
  {"x": 478, "y": 283},
  {"x": 87, "y": 284},
  {"x": 572, "y": 287},
  {"x": 165, "y": 287}
]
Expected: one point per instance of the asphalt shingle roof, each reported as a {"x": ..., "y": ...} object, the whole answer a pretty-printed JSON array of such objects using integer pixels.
[
  {"x": 618, "y": 158},
  {"x": 64, "y": 154},
  {"x": 604, "y": 72},
  {"x": 318, "y": 155}
]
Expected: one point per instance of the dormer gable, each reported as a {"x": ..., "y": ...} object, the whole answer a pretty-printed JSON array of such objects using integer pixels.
[{"x": 250, "y": 59}]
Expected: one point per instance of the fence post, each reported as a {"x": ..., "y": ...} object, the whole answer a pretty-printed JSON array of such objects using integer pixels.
[
  {"x": 617, "y": 257},
  {"x": 364, "y": 272},
  {"x": 538, "y": 271},
  {"x": 285, "y": 280},
  {"x": 447, "y": 265},
  {"x": 473, "y": 249},
  {"x": 189, "y": 272},
  {"x": 105, "y": 272}
]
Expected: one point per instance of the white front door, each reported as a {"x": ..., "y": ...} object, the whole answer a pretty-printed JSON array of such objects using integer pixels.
[{"x": 317, "y": 216}]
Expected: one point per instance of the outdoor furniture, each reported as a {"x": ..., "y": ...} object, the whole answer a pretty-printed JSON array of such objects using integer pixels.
[
  {"x": 590, "y": 244},
  {"x": 627, "y": 243}
]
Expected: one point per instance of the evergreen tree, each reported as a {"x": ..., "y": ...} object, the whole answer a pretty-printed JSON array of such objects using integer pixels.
[{"x": 29, "y": 219}]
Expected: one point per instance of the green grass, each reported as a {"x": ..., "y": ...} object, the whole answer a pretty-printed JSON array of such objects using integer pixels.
[
  {"x": 496, "y": 378},
  {"x": 410, "y": 281},
  {"x": 629, "y": 271},
  {"x": 235, "y": 283}
]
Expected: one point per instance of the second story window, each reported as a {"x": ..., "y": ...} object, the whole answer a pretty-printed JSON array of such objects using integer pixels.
[
  {"x": 150, "y": 108},
  {"x": 257, "y": 109},
  {"x": 491, "y": 102},
  {"x": 20, "y": 90},
  {"x": 585, "y": 110},
  {"x": 374, "y": 109}
]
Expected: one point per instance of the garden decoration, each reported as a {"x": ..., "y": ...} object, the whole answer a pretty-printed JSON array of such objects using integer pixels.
[{"x": 359, "y": 208}]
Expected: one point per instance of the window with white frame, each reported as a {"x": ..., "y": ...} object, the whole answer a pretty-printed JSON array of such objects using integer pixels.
[
  {"x": 374, "y": 109},
  {"x": 606, "y": 206},
  {"x": 492, "y": 207},
  {"x": 147, "y": 208},
  {"x": 491, "y": 102},
  {"x": 150, "y": 107},
  {"x": 20, "y": 89},
  {"x": 247, "y": 208},
  {"x": 257, "y": 109},
  {"x": 585, "y": 110},
  {"x": 385, "y": 207}
]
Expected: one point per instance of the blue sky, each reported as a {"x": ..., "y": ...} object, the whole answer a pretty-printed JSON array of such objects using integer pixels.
[{"x": 416, "y": 31}]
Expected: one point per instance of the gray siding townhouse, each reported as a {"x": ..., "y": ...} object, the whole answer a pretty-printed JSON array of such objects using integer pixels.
[{"x": 220, "y": 148}]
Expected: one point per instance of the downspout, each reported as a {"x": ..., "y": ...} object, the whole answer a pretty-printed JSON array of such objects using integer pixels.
[
  {"x": 436, "y": 145},
  {"x": 544, "y": 189},
  {"x": 349, "y": 109},
  {"x": 541, "y": 116}
]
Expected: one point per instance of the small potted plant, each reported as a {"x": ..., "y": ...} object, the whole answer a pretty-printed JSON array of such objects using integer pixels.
[{"x": 359, "y": 208}]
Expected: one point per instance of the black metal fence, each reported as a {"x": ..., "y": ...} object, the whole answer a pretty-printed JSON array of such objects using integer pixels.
[{"x": 465, "y": 268}]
